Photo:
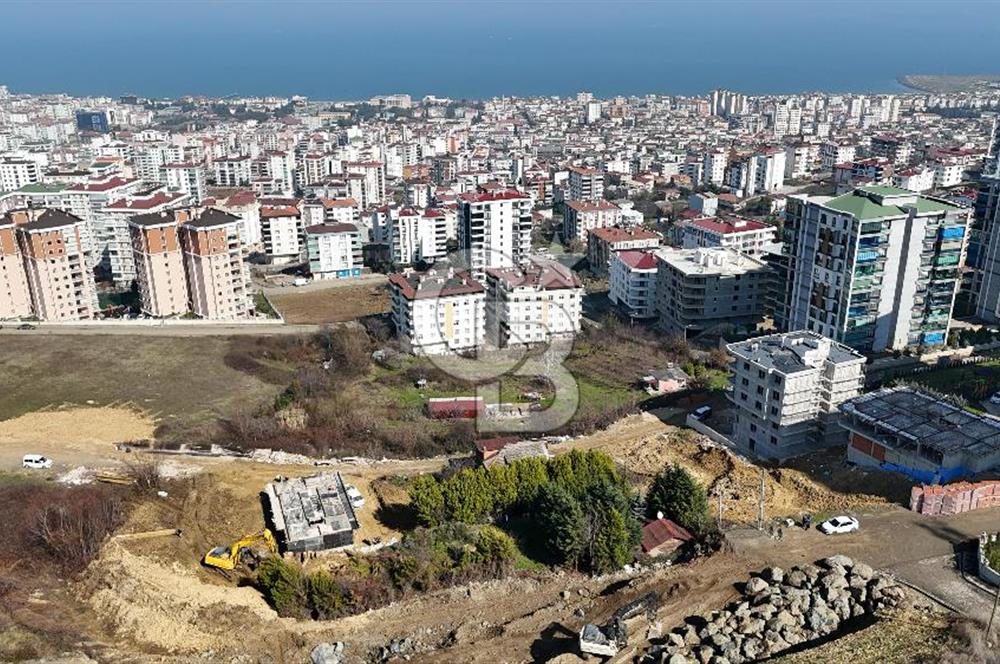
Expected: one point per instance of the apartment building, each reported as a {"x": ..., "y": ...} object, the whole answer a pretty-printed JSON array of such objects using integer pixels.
[
  {"x": 334, "y": 250},
  {"x": 713, "y": 170},
  {"x": 602, "y": 243},
  {"x": 494, "y": 228},
  {"x": 111, "y": 229},
  {"x": 282, "y": 230},
  {"x": 832, "y": 153},
  {"x": 159, "y": 262},
  {"x": 15, "y": 298},
  {"x": 186, "y": 178},
  {"x": 536, "y": 303},
  {"x": 787, "y": 389},
  {"x": 984, "y": 249},
  {"x": 371, "y": 183},
  {"x": 632, "y": 282},
  {"x": 581, "y": 217},
  {"x": 232, "y": 171},
  {"x": 744, "y": 235},
  {"x": 585, "y": 184},
  {"x": 876, "y": 269},
  {"x": 16, "y": 173},
  {"x": 60, "y": 284},
  {"x": 893, "y": 148},
  {"x": 706, "y": 290},
  {"x": 438, "y": 312},
  {"x": 418, "y": 236},
  {"x": 218, "y": 279},
  {"x": 916, "y": 179}
]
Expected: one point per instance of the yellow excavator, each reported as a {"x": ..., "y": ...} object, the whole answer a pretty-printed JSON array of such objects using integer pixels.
[{"x": 249, "y": 550}]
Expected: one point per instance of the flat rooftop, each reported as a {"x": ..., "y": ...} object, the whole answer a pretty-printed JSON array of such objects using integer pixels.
[
  {"x": 927, "y": 420},
  {"x": 312, "y": 513},
  {"x": 793, "y": 352},
  {"x": 710, "y": 261}
]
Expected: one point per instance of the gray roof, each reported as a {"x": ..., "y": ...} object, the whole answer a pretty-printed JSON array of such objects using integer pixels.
[
  {"x": 792, "y": 352},
  {"x": 923, "y": 418},
  {"x": 212, "y": 217},
  {"x": 51, "y": 219}
]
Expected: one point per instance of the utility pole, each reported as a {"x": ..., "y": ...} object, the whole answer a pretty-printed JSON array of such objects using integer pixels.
[{"x": 760, "y": 505}]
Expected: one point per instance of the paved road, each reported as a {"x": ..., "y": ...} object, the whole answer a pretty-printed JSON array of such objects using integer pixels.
[
  {"x": 193, "y": 330},
  {"x": 927, "y": 552}
]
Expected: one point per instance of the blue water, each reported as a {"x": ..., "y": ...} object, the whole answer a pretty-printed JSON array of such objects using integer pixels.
[{"x": 481, "y": 49}]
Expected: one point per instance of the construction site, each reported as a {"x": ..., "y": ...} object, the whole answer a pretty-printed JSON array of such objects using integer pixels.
[{"x": 169, "y": 584}]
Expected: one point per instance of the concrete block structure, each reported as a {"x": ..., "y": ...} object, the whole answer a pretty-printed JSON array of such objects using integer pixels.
[
  {"x": 787, "y": 389},
  {"x": 495, "y": 229},
  {"x": 700, "y": 290},
  {"x": 919, "y": 434},
  {"x": 311, "y": 514},
  {"x": 603, "y": 242},
  {"x": 585, "y": 184},
  {"x": 744, "y": 235}
]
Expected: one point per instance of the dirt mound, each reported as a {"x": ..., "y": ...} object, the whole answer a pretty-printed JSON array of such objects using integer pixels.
[
  {"x": 643, "y": 445},
  {"x": 168, "y": 607}
]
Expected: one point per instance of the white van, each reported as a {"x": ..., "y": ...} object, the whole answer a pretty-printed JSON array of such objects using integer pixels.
[
  {"x": 701, "y": 413},
  {"x": 36, "y": 462}
]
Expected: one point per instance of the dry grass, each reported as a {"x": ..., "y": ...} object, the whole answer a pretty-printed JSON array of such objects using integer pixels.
[{"x": 331, "y": 305}]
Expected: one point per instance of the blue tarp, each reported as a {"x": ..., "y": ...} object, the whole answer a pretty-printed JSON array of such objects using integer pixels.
[{"x": 939, "y": 476}]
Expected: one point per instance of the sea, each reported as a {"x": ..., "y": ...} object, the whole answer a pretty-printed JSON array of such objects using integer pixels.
[{"x": 480, "y": 49}]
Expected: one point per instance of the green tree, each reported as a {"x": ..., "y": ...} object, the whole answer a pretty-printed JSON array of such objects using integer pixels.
[
  {"x": 612, "y": 547},
  {"x": 282, "y": 585},
  {"x": 467, "y": 496},
  {"x": 326, "y": 598},
  {"x": 561, "y": 524},
  {"x": 494, "y": 547},
  {"x": 530, "y": 475},
  {"x": 680, "y": 497},
  {"x": 427, "y": 500}
]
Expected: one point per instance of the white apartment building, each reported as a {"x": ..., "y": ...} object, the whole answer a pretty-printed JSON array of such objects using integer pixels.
[
  {"x": 16, "y": 173},
  {"x": 244, "y": 204},
  {"x": 341, "y": 210},
  {"x": 632, "y": 282},
  {"x": 706, "y": 203},
  {"x": 232, "y": 171},
  {"x": 744, "y": 235},
  {"x": 418, "y": 236},
  {"x": 603, "y": 242},
  {"x": 372, "y": 182},
  {"x": 833, "y": 153},
  {"x": 495, "y": 229},
  {"x": 334, "y": 250},
  {"x": 438, "y": 312},
  {"x": 536, "y": 303},
  {"x": 916, "y": 179},
  {"x": 581, "y": 217},
  {"x": 186, "y": 178},
  {"x": 787, "y": 389},
  {"x": 585, "y": 184},
  {"x": 799, "y": 160},
  {"x": 713, "y": 170},
  {"x": 948, "y": 174},
  {"x": 769, "y": 173},
  {"x": 282, "y": 230}
]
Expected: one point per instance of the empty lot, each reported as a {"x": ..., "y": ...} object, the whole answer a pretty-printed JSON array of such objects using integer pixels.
[{"x": 330, "y": 305}]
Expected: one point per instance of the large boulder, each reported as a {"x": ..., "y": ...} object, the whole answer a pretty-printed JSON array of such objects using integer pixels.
[
  {"x": 756, "y": 586},
  {"x": 796, "y": 578},
  {"x": 774, "y": 574},
  {"x": 327, "y": 653},
  {"x": 838, "y": 560}
]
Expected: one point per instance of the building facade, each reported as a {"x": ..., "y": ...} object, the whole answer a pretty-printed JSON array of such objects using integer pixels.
[
  {"x": 218, "y": 279},
  {"x": 334, "y": 251},
  {"x": 438, "y": 312},
  {"x": 495, "y": 229},
  {"x": 632, "y": 282},
  {"x": 533, "y": 304}
]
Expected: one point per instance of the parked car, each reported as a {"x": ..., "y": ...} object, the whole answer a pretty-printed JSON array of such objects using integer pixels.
[
  {"x": 839, "y": 525},
  {"x": 701, "y": 413},
  {"x": 301, "y": 281},
  {"x": 36, "y": 462},
  {"x": 353, "y": 495},
  {"x": 25, "y": 326},
  {"x": 995, "y": 399}
]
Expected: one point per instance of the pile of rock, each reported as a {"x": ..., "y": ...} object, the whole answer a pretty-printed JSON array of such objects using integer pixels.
[{"x": 782, "y": 610}]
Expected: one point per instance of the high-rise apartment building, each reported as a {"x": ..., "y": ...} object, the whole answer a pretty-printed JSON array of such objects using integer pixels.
[
  {"x": 159, "y": 262},
  {"x": 495, "y": 229},
  {"x": 876, "y": 269},
  {"x": 585, "y": 184},
  {"x": 218, "y": 279},
  {"x": 59, "y": 282},
  {"x": 334, "y": 250},
  {"x": 15, "y": 299}
]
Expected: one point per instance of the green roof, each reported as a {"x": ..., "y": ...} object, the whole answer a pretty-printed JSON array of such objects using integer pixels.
[
  {"x": 42, "y": 188},
  {"x": 885, "y": 191},
  {"x": 931, "y": 205},
  {"x": 862, "y": 207}
]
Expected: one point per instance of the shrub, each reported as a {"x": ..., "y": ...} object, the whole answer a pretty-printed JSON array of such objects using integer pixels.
[
  {"x": 325, "y": 596},
  {"x": 680, "y": 497},
  {"x": 282, "y": 586}
]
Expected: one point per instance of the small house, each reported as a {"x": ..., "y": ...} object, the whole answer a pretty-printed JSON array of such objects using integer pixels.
[
  {"x": 663, "y": 536},
  {"x": 666, "y": 381}
]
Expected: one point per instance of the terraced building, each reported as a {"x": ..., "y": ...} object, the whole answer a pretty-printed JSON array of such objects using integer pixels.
[{"x": 876, "y": 269}]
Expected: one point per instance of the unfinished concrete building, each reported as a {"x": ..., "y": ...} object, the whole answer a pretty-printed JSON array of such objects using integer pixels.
[{"x": 311, "y": 513}]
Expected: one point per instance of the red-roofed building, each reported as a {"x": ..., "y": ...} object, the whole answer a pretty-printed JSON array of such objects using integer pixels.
[
  {"x": 581, "y": 217},
  {"x": 603, "y": 242},
  {"x": 663, "y": 536},
  {"x": 632, "y": 282},
  {"x": 495, "y": 228},
  {"x": 744, "y": 235},
  {"x": 532, "y": 304},
  {"x": 437, "y": 312}
]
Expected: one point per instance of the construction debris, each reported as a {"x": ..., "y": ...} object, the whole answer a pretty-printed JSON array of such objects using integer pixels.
[{"x": 312, "y": 513}]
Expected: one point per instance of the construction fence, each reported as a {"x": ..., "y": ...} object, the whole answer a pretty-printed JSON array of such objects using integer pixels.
[{"x": 954, "y": 498}]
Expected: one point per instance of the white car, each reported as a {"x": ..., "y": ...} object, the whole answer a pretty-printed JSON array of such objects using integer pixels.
[
  {"x": 995, "y": 399},
  {"x": 353, "y": 495},
  {"x": 839, "y": 525},
  {"x": 36, "y": 462}
]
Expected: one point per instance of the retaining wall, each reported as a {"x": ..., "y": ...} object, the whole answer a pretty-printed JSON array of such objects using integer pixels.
[{"x": 987, "y": 573}]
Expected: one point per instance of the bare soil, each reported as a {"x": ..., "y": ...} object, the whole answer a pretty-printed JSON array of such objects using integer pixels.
[{"x": 332, "y": 305}]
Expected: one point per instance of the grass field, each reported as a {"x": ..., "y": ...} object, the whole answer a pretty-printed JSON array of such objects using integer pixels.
[
  {"x": 973, "y": 382},
  {"x": 184, "y": 382},
  {"x": 331, "y": 305}
]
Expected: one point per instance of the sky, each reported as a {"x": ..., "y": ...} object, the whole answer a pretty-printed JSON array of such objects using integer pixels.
[{"x": 479, "y": 49}]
